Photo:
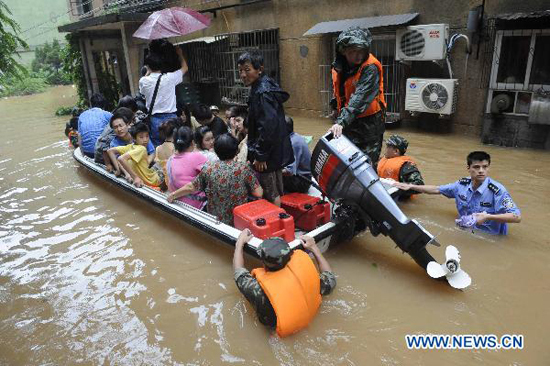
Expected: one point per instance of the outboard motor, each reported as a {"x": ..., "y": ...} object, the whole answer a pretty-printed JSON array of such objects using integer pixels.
[{"x": 345, "y": 174}]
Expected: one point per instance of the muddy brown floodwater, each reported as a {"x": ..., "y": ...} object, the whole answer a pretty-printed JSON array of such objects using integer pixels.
[{"x": 90, "y": 275}]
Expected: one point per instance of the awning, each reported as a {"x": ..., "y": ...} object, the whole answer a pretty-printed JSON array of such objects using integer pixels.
[
  {"x": 202, "y": 39},
  {"x": 521, "y": 16},
  {"x": 337, "y": 26}
]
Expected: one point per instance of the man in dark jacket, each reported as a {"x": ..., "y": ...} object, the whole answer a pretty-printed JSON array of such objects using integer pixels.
[{"x": 269, "y": 146}]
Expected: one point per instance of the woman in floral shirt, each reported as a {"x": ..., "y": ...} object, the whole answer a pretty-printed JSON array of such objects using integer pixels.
[{"x": 227, "y": 183}]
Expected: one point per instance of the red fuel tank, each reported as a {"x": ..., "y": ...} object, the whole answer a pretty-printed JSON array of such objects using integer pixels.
[
  {"x": 264, "y": 219},
  {"x": 308, "y": 211}
]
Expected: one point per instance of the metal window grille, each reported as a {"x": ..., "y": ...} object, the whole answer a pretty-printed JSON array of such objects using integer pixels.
[
  {"x": 383, "y": 47},
  {"x": 488, "y": 36},
  {"x": 514, "y": 55},
  {"x": 519, "y": 67},
  {"x": 228, "y": 48},
  {"x": 80, "y": 7},
  {"x": 216, "y": 62},
  {"x": 203, "y": 61}
]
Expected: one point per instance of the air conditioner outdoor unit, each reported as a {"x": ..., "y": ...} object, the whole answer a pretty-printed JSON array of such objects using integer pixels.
[
  {"x": 422, "y": 42},
  {"x": 431, "y": 95}
]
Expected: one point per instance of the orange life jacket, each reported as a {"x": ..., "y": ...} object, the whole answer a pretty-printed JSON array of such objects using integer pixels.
[
  {"x": 73, "y": 136},
  {"x": 294, "y": 292},
  {"x": 389, "y": 168},
  {"x": 350, "y": 84}
]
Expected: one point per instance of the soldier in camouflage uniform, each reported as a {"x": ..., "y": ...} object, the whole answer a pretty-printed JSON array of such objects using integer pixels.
[
  {"x": 275, "y": 254},
  {"x": 397, "y": 166},
  {"x": 359, "y": 96}
]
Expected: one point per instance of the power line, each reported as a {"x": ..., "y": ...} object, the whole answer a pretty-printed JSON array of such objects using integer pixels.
[
  {"x": 143, "y": 8},
  {"x": 57, "y": 16},
  {"x": 33, "y": 36}
]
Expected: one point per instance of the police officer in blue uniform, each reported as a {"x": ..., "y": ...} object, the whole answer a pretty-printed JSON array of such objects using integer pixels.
[{"x": 479, "y": 198}]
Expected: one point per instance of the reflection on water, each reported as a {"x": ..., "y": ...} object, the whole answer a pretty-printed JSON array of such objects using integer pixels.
[{"x": 91, "y": 275}]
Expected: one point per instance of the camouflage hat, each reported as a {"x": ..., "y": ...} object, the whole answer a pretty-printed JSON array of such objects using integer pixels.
[
  {"x": 274, "y": 253},
  {"x": 399, "y": 142},
  {"x": 354, "y": 37}
]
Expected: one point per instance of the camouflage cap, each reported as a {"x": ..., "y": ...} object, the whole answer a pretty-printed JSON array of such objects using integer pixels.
[
  {"x": 354, "y": 37},
  {"x": 399, "y": 142},
  {"x": 274, "y": 253}
]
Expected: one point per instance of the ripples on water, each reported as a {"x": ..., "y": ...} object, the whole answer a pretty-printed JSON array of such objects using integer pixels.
[
  {"x": 70, "y": 278},
  {"x": 72, "y": 271},
  {"x": 91, "y": 275}
]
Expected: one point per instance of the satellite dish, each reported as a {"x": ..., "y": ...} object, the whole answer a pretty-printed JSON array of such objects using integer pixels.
[
  {"x": 500, "y": 103},
  {"x": 456, "y": 277}
]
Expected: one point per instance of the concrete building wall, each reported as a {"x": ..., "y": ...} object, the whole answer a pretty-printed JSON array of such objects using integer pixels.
[
  {"x": 300, "y": 75},
  {"x": 300, "y": 72}
]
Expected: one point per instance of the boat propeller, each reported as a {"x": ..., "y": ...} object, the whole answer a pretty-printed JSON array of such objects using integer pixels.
[{"x": 456, "y": 277}]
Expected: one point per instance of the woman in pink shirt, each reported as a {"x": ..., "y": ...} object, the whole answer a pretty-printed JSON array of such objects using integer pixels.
[{"x": 184, "y": 166}]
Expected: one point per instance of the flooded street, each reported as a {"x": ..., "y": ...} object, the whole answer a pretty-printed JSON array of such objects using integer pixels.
[{"x": 90, "y": 275}]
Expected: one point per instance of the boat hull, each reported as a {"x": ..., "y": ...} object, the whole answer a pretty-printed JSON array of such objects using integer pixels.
[{"x": 194, "y": 217}]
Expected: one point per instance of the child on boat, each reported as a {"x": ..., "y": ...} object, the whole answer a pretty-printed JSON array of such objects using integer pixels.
[
  {"x": 227, "y": 183},
  {"x": 71, "y": 128},
  {"x": 127, "y": 139},
  {"x": 103, "y": 143},
  {"x": 165, "y": 150},
  {"x": 184, "y": 166},
  {"x": 133, "y": 159},
  {"x": 238, "y": 124},
  {"x": 204, "y": 143}
]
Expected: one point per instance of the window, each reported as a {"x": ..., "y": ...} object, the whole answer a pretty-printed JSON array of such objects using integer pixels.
[
  {"x": 80, "y": 7},
  {"x": 520, "y": 67},
  {"x": 540, "y": 70},
  {"x": 85, "y": 6},
  {"x": 520, "y": 60},
  {"x": 512, "y": 62}
]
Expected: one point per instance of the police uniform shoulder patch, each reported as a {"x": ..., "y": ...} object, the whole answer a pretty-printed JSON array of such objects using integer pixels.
[
  {"x": 508, "y": 203},
  {"x": 493, "y": 188},
  {"x": 465, "y": 181}
]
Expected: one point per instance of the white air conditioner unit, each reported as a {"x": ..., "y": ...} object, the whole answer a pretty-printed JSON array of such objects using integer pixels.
[
  {"x": 422, "y": 42},
  {"x": 431, "y": 95}
]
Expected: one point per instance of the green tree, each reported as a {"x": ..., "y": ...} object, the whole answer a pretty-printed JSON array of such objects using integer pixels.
[
  {"x": 48, "y": 63},
  {"x": 48, "y": 57},
  {"x": 9, "y": 43},
  {"x": 74, "y": 67}
]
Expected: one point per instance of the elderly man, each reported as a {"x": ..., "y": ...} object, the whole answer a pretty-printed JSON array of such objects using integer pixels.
[
  {"x": 357, "y": 81},
  {"x": 286, "y": 292}
]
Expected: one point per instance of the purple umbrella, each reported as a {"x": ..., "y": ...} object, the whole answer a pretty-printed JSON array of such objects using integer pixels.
[{"x": 171, "y": 22}]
